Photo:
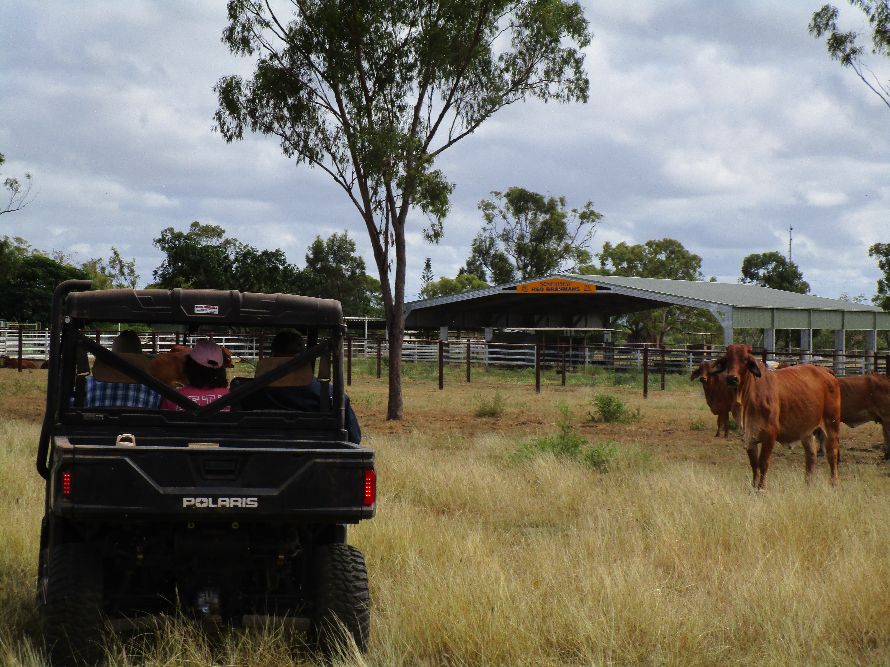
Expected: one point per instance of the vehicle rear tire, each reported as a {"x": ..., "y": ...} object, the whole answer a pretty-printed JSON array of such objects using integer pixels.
[
  {"x": 70, "y": 589},
  {"x": 342, "y": 600}
]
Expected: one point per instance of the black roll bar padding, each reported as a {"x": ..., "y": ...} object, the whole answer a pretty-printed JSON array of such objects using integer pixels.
[
  {"x": 337, "y": 353},
  {"x": 62, "y": 290}
]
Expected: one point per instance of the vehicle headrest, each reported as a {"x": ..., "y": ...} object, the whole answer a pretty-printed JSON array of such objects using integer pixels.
[
  {"x": 105, "y": 373},
  {"x": 299, "y": 377}
]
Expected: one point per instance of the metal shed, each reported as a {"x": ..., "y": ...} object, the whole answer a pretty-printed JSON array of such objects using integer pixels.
[{"x": 574, "y": 301}]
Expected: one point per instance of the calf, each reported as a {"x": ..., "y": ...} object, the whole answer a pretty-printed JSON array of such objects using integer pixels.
[
  {"x": 169, "y": 367},
  {"x": 797, "y": 403},
  {"x": 866, "y": 398},
  {"x": 15, "y": 362},
  {"x": 719, "y": 395}
]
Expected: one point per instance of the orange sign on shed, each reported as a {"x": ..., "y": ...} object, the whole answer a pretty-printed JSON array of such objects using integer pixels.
[{"x": 556, "y": 286}]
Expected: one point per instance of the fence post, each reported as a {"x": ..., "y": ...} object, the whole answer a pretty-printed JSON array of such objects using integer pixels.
[
  {"x": 645, "y": 370},
  {"x": 154, "y": 341},
  {"x": 537, "y": 368},
  {"x": 349, "y": 361},
  {"x": 469, "y": 356},
  {"x": 262, "y": 344},
  {"x": 887, "y": 364},
  {"x": 21, "y": 349},
  {"x": 562, "y": 349},
  {"x": 662, "y": 367},
  {"x": 763, "y": 356},
  {"x": 441, "y": 364},
  {"x": 379, "y": 343}
]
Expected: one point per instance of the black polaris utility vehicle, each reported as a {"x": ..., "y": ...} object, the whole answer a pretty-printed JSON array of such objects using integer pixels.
[{"x": 214, "y": 511}]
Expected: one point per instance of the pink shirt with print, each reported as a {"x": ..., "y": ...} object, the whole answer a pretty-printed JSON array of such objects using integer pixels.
[{"x": 201, "y": 396}]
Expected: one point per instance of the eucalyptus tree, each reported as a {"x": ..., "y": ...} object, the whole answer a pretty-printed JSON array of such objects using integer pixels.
[
  {"x": 845, "y": 47},
  {"x": 881, "y": 252},
  {"x": 19, "y": 191},
  {"x": 372, "y": 92},
  {"x": 772, "y": 269},
  {"x": 657, "y": 258},
  {"x": 529, "y": 235}
]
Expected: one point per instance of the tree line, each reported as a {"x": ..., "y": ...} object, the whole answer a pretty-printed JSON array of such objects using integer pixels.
[{"x": 201, "y": 257}]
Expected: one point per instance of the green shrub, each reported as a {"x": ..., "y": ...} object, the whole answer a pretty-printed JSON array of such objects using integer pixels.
[
  {"x": 491, "y": 407},
  {"x": 565, "y": 443},
  {"x": 611, "y": 409},
  {"x": 601, "y": 456}
]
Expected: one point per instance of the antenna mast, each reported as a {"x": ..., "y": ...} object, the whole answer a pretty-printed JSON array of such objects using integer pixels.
[{"x": 790, "y": 229}]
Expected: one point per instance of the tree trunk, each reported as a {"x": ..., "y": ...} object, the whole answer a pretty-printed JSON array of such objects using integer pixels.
[
  {"x": 395, "y": 335},
  {"x": 396, "y": 321},
  {"x": 393, "y": 306}
]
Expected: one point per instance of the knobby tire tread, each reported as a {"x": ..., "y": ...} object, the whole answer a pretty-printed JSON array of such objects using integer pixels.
[
  {"x": 71, "y": 617},
  {"x": 341, "y": 597}
]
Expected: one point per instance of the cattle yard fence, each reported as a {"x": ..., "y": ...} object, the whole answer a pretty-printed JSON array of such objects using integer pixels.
[{"x": 653, "y": 363}]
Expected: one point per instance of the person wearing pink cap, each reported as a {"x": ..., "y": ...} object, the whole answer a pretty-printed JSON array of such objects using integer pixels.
[{"x": 205, "y": 369}]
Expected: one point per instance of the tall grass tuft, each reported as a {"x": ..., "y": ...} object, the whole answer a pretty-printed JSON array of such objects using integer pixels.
[{"x": 491, "y": 407}]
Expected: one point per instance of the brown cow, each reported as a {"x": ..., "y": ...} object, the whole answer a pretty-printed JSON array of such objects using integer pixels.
[
  {"x": 719, "y": 395},
  {"x": 169, "y": 367},
  {"x": 15, "y": 362},
  {"x": 866, "y": 398},
  {"x": 797, "y": 403}
]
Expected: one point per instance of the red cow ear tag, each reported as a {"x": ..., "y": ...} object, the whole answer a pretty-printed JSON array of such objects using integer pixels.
[{"x": 206, "y": 309}]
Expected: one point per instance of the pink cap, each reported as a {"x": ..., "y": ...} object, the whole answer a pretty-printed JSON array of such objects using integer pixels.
[{"x": 207, "y": 354}]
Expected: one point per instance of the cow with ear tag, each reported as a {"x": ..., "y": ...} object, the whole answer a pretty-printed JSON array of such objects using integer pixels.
[{"x": 797, "y": 403}]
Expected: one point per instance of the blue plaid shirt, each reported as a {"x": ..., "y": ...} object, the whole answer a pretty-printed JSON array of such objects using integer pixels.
[{"x": 119, "y": 395}]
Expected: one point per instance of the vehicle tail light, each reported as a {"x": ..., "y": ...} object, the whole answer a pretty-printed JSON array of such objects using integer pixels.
[
  {"x": 370, "y": 487},
  {"x": 66, "y": 483}
]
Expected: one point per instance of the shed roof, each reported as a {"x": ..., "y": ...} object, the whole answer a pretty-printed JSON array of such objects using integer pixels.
[
  {"x": 730, "y": 294},
  {"x": 740, "y": 305}
]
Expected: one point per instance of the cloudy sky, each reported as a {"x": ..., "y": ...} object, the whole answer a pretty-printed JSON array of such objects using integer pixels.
[{"x": 716, "y": 123}]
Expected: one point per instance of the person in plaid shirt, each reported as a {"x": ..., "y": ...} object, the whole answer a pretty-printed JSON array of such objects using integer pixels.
[{"x": 110, "y": 388}]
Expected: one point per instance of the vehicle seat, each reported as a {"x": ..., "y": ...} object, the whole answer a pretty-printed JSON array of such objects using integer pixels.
[
  {"x": 299, "y": 377},
  {"x": 105, "y": 373}
]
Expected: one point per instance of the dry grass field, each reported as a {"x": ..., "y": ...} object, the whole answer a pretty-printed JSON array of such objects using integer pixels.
[{"x": 639, "y": 544}]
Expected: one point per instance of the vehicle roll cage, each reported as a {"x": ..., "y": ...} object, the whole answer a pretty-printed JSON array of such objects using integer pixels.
[
  {"x": 75, "y": 338},
  {"x": 202, "y": 411}
]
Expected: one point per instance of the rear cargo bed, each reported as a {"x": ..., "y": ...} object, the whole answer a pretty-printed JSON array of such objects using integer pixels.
[{"x": 163, "y": 477}]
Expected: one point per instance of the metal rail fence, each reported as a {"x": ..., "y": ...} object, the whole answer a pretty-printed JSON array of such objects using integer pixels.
[{"x": 565, "y": 359}]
